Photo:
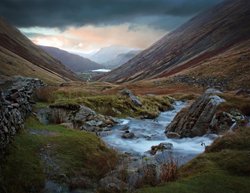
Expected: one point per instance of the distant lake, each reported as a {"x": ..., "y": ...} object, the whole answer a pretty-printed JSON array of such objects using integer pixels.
[{"x": 101, "y": 70}]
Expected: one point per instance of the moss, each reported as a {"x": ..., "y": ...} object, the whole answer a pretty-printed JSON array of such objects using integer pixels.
[
  {"x": 211, "y": 182},
  {"x": 121, "y": 106},
  {"x": 40, "y": 105},
  {"x": 21, "y": 164},
  {"x": 76, "y": 153}
]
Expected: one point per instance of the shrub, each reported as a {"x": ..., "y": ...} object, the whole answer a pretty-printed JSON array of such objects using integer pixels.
[{"x": 45, "y": 94}]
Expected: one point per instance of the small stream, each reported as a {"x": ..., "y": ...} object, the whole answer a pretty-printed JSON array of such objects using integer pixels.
[{"x": 150, "y": 132}]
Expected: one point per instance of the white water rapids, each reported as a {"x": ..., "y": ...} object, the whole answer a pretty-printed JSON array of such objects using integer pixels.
[{"x": 150, "y": 132}]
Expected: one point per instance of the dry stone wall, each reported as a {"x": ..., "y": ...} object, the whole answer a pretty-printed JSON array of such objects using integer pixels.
[{"x": 15, "y": 104}]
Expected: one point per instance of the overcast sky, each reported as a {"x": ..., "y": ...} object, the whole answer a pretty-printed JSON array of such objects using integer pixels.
[{"x": 87, "y": 25}]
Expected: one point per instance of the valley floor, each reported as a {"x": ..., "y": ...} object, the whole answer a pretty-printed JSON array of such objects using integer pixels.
[{"x": 47, "y": 156}]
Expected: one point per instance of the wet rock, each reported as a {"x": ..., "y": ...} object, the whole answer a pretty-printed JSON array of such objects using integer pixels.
[
  {"x": 128, "y": 135},
  {"x": 195, "y": 120},
  {"x": 173, "y": 135},
  {"x": 161, "y": 147},
  {"x": 125, "y": 128}
]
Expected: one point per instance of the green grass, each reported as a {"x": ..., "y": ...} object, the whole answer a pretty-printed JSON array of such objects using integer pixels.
[
  {"x": 120, "y": 106},
  {"x": 223, "y": 168},
  {"x": 76, "y": 153},
  {"x": 40, "y": 105},
  {"x": 212, "y": 182},
  {"x": 22, "y": 169}
]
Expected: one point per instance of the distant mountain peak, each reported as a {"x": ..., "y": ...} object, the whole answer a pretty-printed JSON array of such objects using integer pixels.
[
  {"x": 109, "y": 53},
  {"x": 73, "y": 61}
]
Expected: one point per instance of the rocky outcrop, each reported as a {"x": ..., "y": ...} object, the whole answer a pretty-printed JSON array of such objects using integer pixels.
[
  {"x": 15, "y": 104},
  {"x": 75, "y": 116},
  {"x": 227, "y": 121},
  {"x": 203, "y": 117},
  {"x": 132, "y": 97}
]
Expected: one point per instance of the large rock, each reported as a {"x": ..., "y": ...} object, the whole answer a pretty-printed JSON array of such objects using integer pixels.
[
  {"x": 195, "y": 120},
  {"x": 132, "y": 97},
  {"x": 82, "y": 115},
  {"x": 227, "y": 121}
]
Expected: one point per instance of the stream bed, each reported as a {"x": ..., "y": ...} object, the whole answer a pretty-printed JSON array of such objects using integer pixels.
[{"x": 150, "y": 132}]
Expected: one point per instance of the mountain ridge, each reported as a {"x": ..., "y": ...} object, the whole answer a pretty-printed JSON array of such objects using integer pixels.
[
  {"x": 20, "y": 56},
  {"x": 73, "y": 61},
  {"x": 206, "y": 35}
]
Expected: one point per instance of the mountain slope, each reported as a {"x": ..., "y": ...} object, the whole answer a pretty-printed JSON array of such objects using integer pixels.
[
  {"x": 121, "y": 59},
  {"x": 19, "y": 56},
  {"x": 74, "y": 62},
  {"x": 207, "y": 35},
  {"x": 107, "y": 54}
]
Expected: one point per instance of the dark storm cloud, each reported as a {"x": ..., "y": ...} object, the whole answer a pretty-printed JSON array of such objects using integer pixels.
[{"x": 63, "y": 13}]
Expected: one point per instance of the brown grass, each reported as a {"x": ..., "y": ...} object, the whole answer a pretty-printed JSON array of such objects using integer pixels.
[
  {"x": 45, "y": 94},
  {"x": 169, "y": 170},
  {"x": 235, "y": 102}
]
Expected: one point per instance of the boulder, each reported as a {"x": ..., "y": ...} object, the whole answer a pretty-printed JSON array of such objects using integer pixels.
[
  {"x": 125, "y": 128},
  {"x": 128, "y": 135},
  {"x": 82, "y": 115},
  {"x": 227, "y": 121},
  {"x": 195, "y": 120},
  {"x": 132, "y": 97},
  {"x": 161, "y": 147}
]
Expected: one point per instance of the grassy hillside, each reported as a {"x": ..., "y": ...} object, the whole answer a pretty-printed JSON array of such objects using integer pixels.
[
  {"x": 232, "y": 66},
  {"x": 12, "y": 64},
  {"x": 15, "y": 45}
]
